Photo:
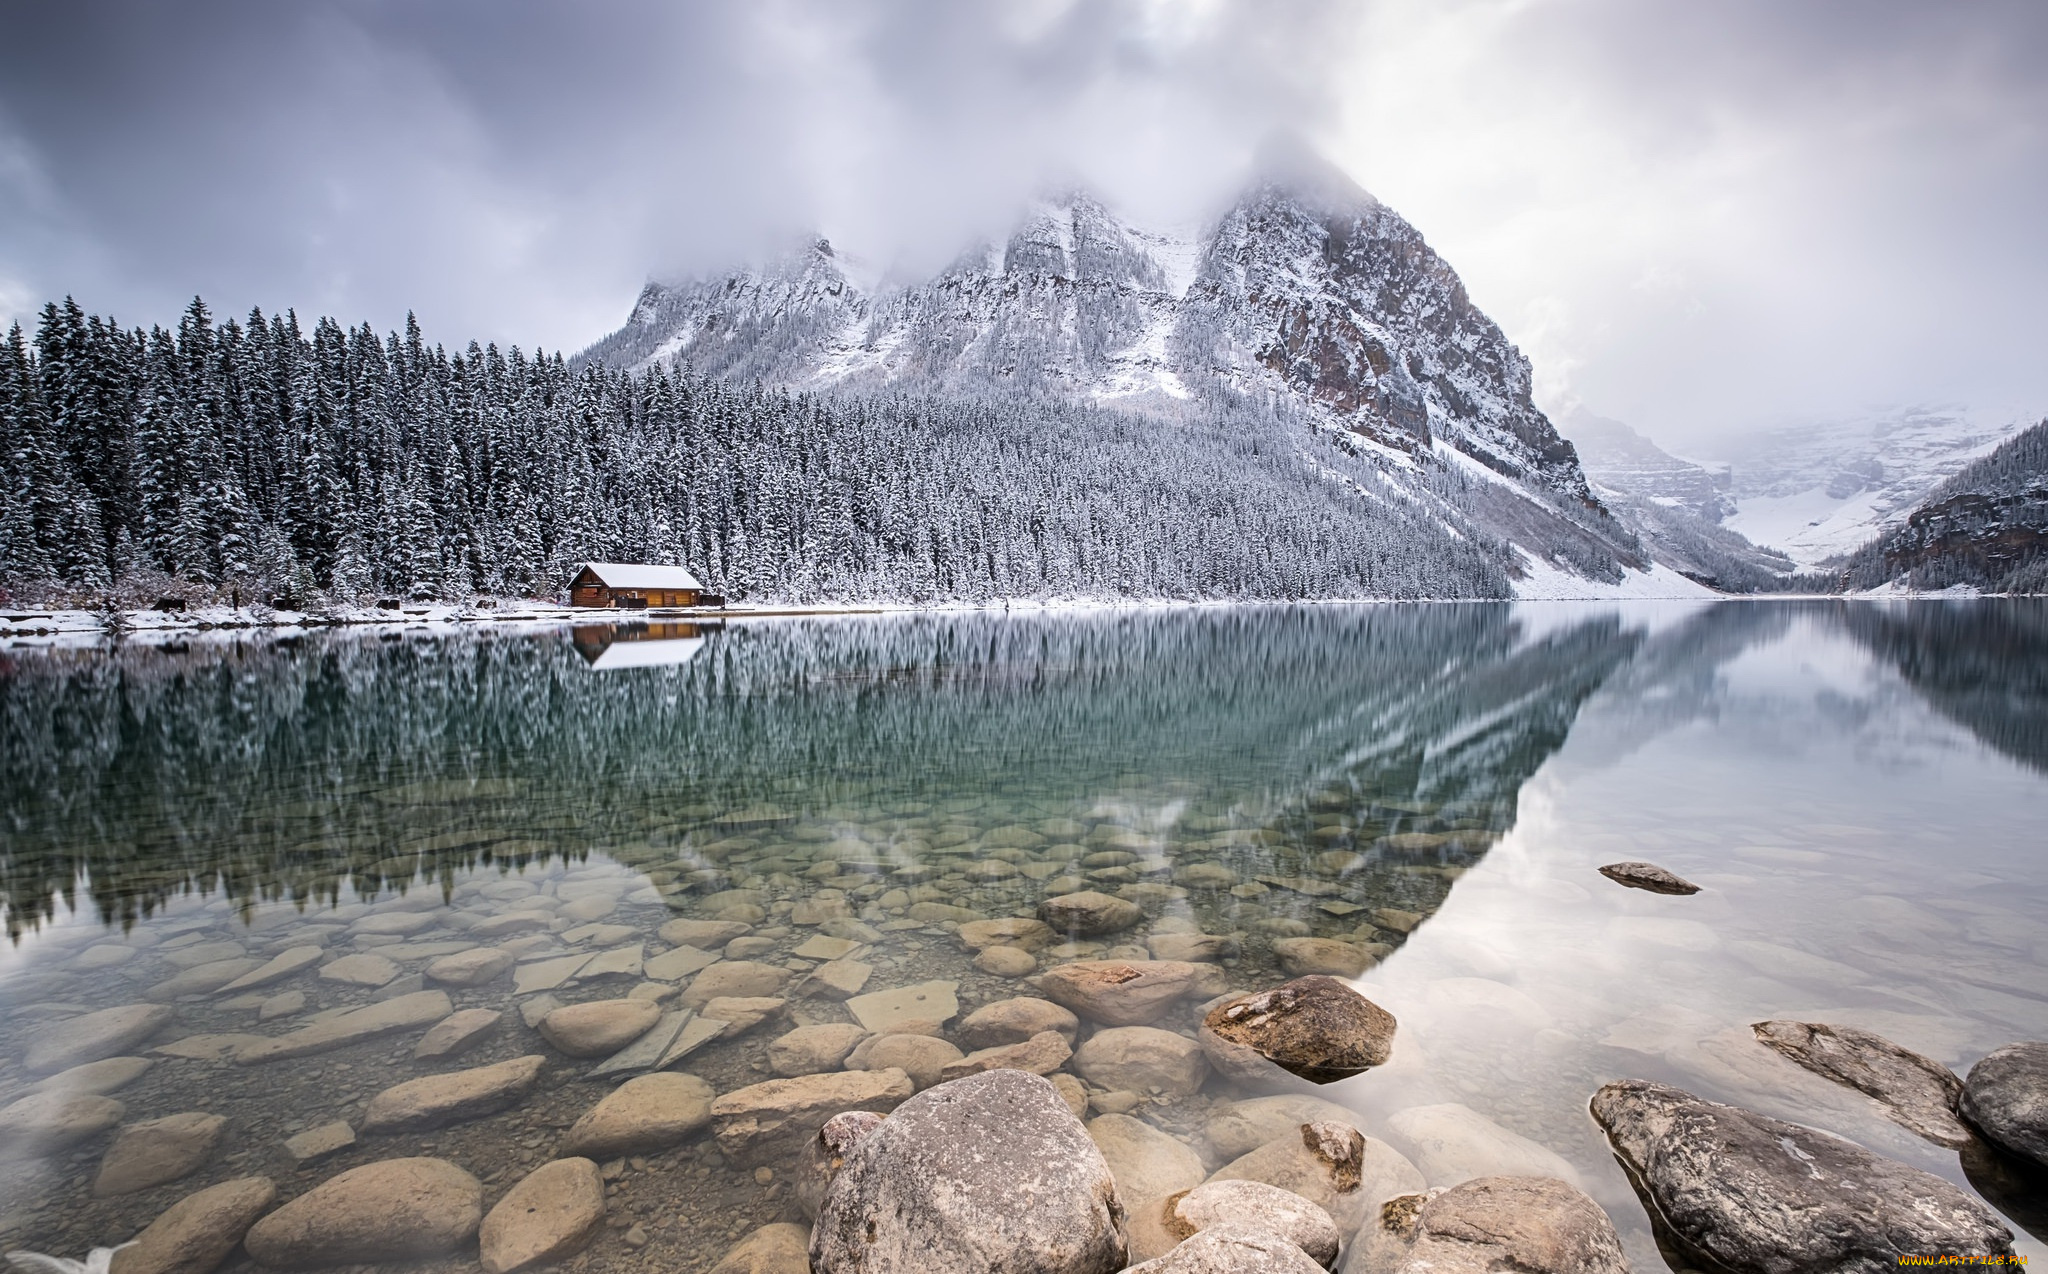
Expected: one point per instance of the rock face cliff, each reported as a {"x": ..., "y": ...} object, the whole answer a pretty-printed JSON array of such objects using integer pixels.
[{"x": 1308, "y": 298}]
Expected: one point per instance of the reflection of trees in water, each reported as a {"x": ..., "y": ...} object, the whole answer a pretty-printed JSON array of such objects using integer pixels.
[
  {"x": 287, "y": 766},
  {"x": 1983, "y": 664}
]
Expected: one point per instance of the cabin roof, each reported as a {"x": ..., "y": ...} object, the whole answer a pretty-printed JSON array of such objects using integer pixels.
[{"x": 639, "y": 575}]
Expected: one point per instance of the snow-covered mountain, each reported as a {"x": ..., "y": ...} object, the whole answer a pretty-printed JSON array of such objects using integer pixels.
[
  {"x": 1820, "y": 491},
  {"x": 1984, "y": 529},
  {"x": 1619, "y": 458},
  {"x": 1308, "y": 298}
]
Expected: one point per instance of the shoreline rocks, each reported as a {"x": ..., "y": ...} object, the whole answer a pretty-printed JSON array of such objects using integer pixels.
[
  {"x": 1315, "y": 1027},
  {"x": 770, "y": 1121},
  {"x": 2005, "y": 1097},
  {"x": 991, "y": 1173},
  {"x": 1124, "y": 992},
  {"x": 1535, "y": 1225},
  {"x": 1914, "y": 1092},
  {"x": 1752, "y": 1192}
]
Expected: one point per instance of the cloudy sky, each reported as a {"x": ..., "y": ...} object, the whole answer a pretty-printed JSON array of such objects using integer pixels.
[{"x": 1699, "y": 218}]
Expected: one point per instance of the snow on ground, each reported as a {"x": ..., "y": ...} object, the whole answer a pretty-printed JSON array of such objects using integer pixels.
[
  {"x": 1548, "y": 583},
  {"x": 1811, "y": 526}
]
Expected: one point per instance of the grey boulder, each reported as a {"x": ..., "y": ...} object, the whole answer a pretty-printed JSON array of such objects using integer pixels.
[
  {"x": 1914, "y": 1092},
  {"x": 2006, "y": 1098},
  {"x": 1532, "y": 1225},
  {"x": 1756, "y": 1193},
  {"x": 991, "y": 1173}
]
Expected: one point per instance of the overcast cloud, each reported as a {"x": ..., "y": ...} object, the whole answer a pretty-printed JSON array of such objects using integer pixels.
[{"x": 1697, "y": 218}]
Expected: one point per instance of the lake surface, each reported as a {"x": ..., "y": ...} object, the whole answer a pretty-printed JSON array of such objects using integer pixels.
[{"x": 1861, "y": 790}]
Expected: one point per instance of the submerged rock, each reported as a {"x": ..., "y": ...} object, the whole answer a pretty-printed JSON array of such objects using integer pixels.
[
  {"x": 1648, "y": 876},
  {"x": 1752, "y": 1192},
  {"x": 195, "y": 1234},
  {"x": 458, "y": 1033},
  {"x": 1013, "y": 1021},
  {"x": 1332, "y": 1165},
  {"x": 44, "y": 1122},
  {"x": 766, "y": 1122},
  {"x": 1532, "y": 1225},
  {"x": 1146, "y": 1163},
  {"x": 1042, "y": 1054},
  {"x": 1253, "y": 1206},
  {"x": 1232, "y": 1251},
  {"x": 1243, "y": 1126},
  {"x": 1453, "y": 1143},
  {"x": 773, "y": 1249},
  {"x": 407, "y": 1012},
  {"x": 600, "y": 1027},
  {"x": 2006, "y": 1098},
  {"x": 808, "y": 1050},
  {"x": 1915, "y": 1092},
  {"x": 1123, "y": 992},
  {"x": 1316, "y": 1027},
  {"x": 396, "y": 1210},
  {"x": 92, "y": 1036},
  {"x": 1304, "y": 956},
  {"x": 1142, "y": 1059},
  {"x": 158, "y": 1150},
  {"x": 911, "y": 1010},
  {"x": 552, "y": 1213},
  {"x": 421, "y": 1104},
  {"x": 1089, "y": 914},
  {"x": 643, "y": 1115},
  {"x": 991, "y": 1174},
  {"x": 922, "y": 1057}
]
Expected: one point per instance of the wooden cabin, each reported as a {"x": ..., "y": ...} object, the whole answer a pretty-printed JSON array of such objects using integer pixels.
[{"x": 633, "y": 586}]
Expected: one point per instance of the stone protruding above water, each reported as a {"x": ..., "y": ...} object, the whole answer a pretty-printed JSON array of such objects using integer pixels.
[
  {"x": 1316, "y": 1027},
  {"x": 825, "y": 1154},
  {"x": 1124, "y": 992},
  {"x": 195, "y": 1234},
  {"x": 552, "y": 1213},
  {"x": 2006, "y": 1098},
  {"x": 1648, "y": 876},
  {"x": 1752, "y": 1192},
  {"x": 1533, "y": 1225},
  {"x": 1231, "y": 1250},
  {"x": 92, "y": 1036},
  {"x": 394, "y": 1210},
  {"x": 1914, "y": 1091},
  {"x": 988, "y": 1173}
]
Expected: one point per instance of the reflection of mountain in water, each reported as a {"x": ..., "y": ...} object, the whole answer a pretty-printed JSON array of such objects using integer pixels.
[
  {"x": 1982, "y": 664},
  {"x": 1387, "y": 736}
]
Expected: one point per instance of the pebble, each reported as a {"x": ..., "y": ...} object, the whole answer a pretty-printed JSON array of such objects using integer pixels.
[{"x": 552, "y": 1213}]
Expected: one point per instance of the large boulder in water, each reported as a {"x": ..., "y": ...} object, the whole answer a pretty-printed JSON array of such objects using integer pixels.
[
  {"x": 1532, "y": 1225},
  {"x": 2006, "y": 1097},
  {"x": 991, "y": 1174},
  {"x": 1316, "y": 1027},
  {"x": 1755, "y": 1193},
  {"x": 1915, "y": 1092}
]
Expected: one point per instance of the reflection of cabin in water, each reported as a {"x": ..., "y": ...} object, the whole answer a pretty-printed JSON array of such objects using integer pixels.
[
  {"x": 634, "y": 586},
  {"x": 636, "y": 645}
]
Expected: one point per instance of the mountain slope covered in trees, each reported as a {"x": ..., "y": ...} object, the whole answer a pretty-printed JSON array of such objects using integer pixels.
[
  {"x": 1986, "y": 528},
  {"x": 253, "y": 457}
]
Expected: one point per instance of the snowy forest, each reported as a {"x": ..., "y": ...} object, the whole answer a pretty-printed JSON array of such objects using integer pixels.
[
  {"x": 248, "y": 458},
  {"x": 1986, "y": 527}
]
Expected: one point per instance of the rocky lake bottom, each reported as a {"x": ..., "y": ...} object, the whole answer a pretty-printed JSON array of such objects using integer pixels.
[{"x": 473, "y": 908}]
